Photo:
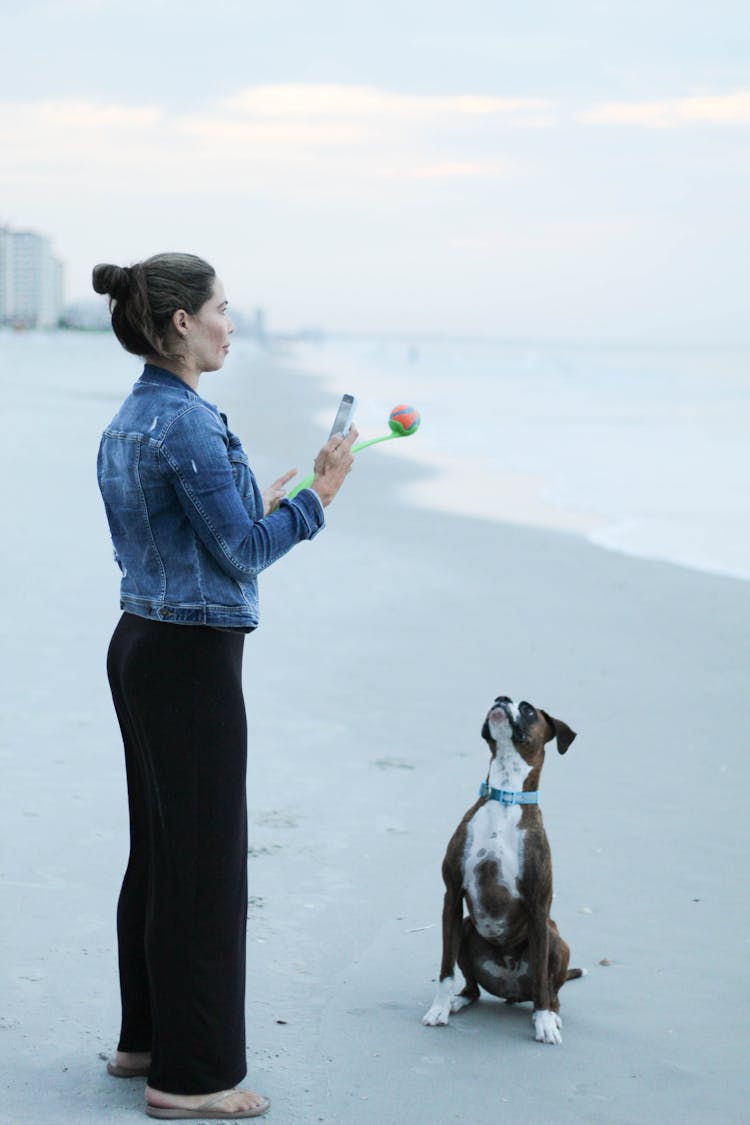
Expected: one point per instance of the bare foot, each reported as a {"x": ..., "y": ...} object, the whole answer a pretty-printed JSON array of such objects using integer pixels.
[{"x": 234, "y": 1102}]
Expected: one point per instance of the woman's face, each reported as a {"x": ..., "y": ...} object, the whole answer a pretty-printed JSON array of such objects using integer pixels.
[{"x": 208, "y": 333}]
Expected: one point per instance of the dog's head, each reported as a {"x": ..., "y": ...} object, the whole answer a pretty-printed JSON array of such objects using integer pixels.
[{"x": 528, "y": 728}]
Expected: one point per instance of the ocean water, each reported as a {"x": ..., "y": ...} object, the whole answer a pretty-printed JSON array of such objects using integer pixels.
[{"x": 644, "y": 451}]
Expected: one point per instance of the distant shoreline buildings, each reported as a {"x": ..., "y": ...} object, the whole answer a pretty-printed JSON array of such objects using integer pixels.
[
  {"x": 31, "y": 295},
  {"x": 31, "y": 280}
]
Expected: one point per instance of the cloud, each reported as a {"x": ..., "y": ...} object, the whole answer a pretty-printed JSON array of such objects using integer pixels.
[
  {"x": 368, "y": 104},
  {"x": 289, "y": 140},
  {"x": 365, "y": 131},
  {"x": 70, "y": 140},
  {"x": 671, "y": 113},
  {"x": 455, "y": 170},
  {"x": 321, "y": 144}
]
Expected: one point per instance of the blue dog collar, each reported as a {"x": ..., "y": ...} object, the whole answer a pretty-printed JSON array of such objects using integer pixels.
[{"x": 508, "y": 796}]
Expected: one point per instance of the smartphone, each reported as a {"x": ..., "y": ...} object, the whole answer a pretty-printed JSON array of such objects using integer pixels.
[{"x": 344, "y": 416}]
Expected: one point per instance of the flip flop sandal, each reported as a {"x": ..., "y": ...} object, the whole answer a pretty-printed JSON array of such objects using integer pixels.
[
  {"x": 118, "y": 1071},
  {"x": 207, "y": 1111}
]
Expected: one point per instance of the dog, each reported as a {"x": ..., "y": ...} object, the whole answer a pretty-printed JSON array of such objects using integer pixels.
[{"x": 499, "y": 861}]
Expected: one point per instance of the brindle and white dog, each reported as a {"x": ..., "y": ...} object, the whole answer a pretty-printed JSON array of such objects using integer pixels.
[{"x": 499, "y": 861}]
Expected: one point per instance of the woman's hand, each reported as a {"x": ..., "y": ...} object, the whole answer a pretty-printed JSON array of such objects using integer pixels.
[
  {"x": 332, "y": 464},
  {"x": 275, "y": 493}
]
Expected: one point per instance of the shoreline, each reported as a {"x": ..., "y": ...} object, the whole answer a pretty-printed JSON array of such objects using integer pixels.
[{"x": 469, "y": 483}]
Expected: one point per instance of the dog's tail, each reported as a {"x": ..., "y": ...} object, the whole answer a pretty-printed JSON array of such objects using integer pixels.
[{"x": 574, "y": 974}]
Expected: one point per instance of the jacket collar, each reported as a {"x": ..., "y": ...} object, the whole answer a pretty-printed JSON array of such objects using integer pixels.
[{"x": 164, "y": 378}]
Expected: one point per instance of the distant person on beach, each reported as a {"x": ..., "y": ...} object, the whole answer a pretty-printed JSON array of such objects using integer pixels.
[{"x": 191, "y": 531}]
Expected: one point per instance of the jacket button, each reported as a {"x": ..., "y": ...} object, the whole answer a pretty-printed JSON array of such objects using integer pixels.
[{"x": 165, "y": 611}]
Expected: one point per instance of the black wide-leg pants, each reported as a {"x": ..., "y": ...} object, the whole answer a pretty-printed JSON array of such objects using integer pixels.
[{"x": 181, "y": 916}]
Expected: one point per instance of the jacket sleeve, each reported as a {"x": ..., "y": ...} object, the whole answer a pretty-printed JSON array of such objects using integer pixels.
[{"x": 194, "y": 457}]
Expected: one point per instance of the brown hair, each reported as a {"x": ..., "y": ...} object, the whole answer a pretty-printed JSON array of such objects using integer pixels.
[{"x": 144, "y": 297}]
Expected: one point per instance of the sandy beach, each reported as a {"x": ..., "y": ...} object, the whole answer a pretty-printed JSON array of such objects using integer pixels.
[{"x": 381, "y": 645}]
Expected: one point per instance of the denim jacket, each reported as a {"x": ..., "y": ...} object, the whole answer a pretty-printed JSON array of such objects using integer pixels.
[{"x": 185, "y": 511}]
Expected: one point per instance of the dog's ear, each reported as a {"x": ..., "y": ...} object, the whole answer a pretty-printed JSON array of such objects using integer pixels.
[
  {"x": 486, "y": 732},
  {"x": 560, "y": 730}
]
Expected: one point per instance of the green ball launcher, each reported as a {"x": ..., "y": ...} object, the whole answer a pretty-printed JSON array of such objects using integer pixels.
[{"x": 403, "y": 421}]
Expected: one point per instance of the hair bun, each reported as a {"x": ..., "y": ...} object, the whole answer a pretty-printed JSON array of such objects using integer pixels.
[{"x": 112, "y": 280}]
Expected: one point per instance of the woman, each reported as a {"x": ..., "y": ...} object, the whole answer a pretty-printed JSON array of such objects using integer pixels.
[{"x": 191, "y": 531}]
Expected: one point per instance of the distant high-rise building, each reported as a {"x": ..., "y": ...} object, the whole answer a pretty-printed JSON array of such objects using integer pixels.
[
  {"x": 31, "y": 280},
  {"x": 260, "y": 326}
]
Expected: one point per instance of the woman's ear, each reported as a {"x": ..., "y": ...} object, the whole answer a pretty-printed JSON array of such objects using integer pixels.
[{"x": 180, "y": 323}]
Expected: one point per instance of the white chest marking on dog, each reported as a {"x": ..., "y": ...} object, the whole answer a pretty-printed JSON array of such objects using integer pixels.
[{"x": 494, "y": 836}]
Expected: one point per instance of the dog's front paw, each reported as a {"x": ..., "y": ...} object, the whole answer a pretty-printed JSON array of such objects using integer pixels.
[
  {"x": 547, "y": 1027},
  {"x": 437, "y": 1016}
]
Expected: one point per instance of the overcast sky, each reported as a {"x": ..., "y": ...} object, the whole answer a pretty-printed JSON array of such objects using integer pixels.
[{"x": 575, "y": 171}]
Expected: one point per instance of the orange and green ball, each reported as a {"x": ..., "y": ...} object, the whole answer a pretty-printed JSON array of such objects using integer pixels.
[{"x": 404, "y": 420}]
